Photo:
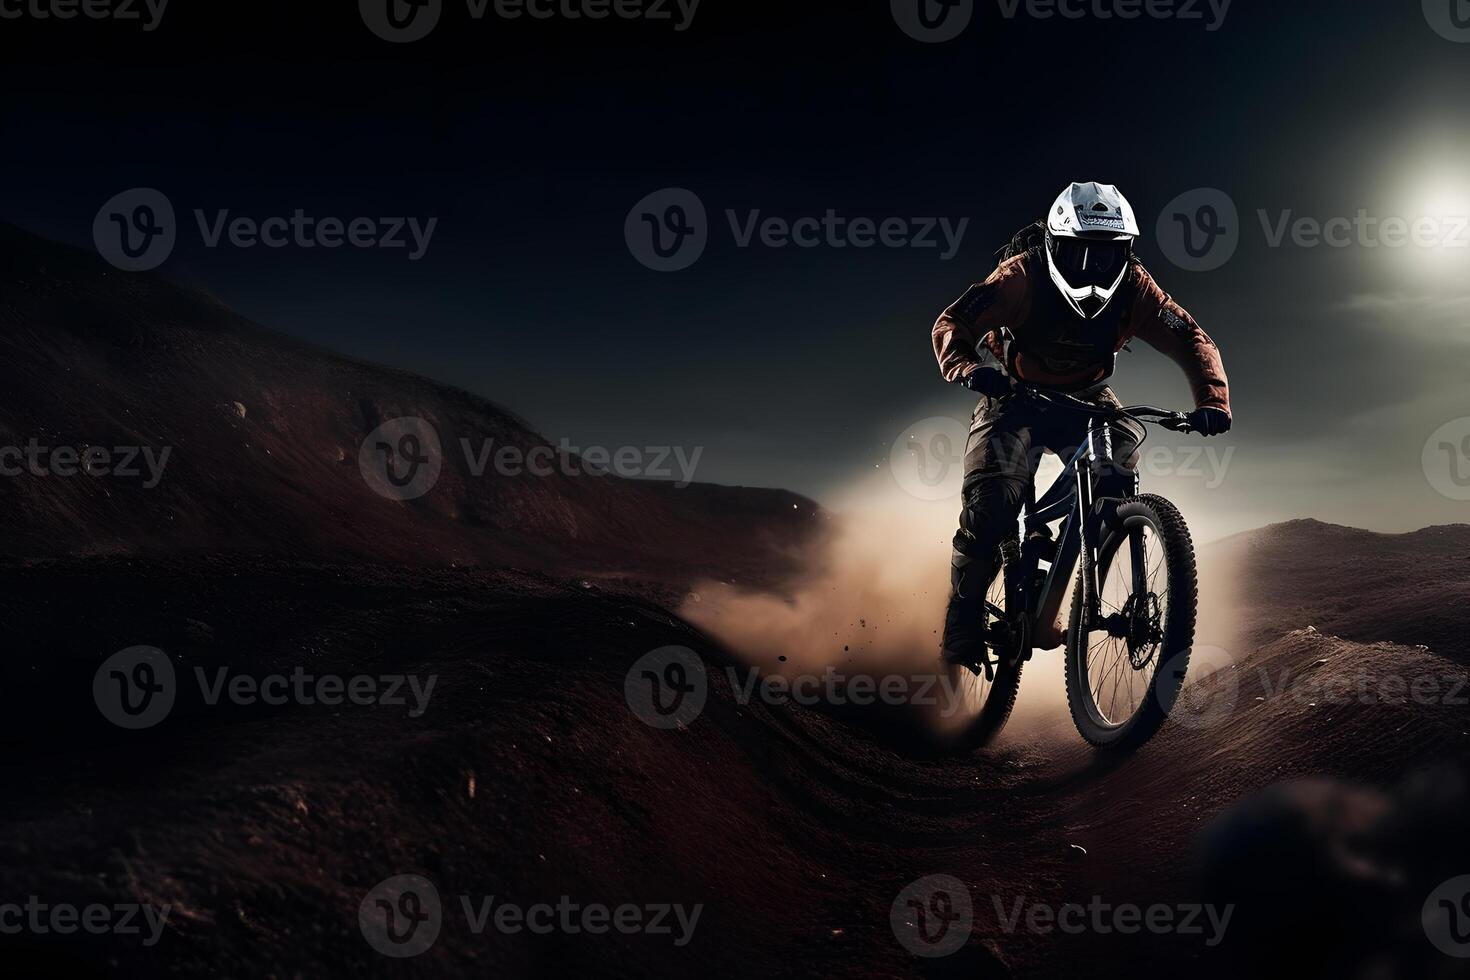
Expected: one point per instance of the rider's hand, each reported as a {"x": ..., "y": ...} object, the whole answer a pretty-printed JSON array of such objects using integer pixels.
[
  {"x": 1209, "y": 421},
  {"x": 989, "y": 381}
]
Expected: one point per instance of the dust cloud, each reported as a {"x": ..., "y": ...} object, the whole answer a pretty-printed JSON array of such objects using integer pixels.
[{"x": 871, "y": 606}]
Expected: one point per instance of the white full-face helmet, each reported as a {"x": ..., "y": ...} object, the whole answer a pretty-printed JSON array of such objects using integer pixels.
[{"x": 1089, "y": 240}]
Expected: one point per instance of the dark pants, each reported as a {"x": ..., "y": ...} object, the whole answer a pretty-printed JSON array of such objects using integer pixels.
[{"x": 1006, "y": 443}]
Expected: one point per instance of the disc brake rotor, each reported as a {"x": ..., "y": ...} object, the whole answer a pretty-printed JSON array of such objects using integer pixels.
[{"x": 1142, "y": 617}]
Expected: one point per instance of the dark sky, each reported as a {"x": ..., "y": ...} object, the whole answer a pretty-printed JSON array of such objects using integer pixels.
[{"x": 531, "y": 140}]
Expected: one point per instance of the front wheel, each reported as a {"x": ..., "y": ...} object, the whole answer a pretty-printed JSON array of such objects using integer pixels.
[
  {"x": 976, "y": 706},
  {"x": 1125, "y": 671}
]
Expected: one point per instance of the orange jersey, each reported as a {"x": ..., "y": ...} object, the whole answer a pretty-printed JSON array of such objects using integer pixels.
[{"x": 1054, "y": 347}]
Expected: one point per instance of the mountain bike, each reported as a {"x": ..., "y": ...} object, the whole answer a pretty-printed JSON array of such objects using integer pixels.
[{"x": 1133, "y": 606}]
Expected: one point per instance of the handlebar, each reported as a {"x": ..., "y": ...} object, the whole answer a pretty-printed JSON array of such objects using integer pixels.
[{"x": 1165, "y": 419}]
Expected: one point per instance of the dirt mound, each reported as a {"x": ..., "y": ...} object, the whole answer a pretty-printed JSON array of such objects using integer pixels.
[
  {"x": 1405, "y": 588},
  {"x": 221, "y": 435},
  {"x": 529, "y": 777}
]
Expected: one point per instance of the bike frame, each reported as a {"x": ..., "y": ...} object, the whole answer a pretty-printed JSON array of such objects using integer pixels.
[{"x": 1082, "y": 496}]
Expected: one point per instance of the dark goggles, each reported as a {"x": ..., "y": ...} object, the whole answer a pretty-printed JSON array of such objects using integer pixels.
[{"x": 1083, "y": 262}]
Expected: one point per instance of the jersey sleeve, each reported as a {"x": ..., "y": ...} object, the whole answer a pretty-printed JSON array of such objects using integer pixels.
[
  {"x": 976, "y": 318},
  {"x": 1168, "y": 328}
]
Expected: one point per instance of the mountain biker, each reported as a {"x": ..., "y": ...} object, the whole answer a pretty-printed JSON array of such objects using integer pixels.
[{"x": 1054, "y": 315}]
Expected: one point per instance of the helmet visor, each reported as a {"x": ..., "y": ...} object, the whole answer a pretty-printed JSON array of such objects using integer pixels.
[{"x": 1084, "y": 263}]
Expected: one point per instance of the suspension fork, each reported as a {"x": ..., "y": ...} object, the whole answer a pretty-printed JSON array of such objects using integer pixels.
[{"x": 1099, "y": 454}]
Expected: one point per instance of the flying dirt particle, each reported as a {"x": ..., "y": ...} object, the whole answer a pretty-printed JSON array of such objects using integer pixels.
[
  {"x": 239, "y": 409},
  {"x": 838, "y": 933},
  {"x": 1075, "y": 851},
  {"x": 470, "y": 783},
  {"x": 1320, "y": 663}
]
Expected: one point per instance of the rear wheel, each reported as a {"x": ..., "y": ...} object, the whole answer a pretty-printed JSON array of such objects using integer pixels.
[
  {"x": 1124, "y": 675},
  {"x": 978, "y": 706}
]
